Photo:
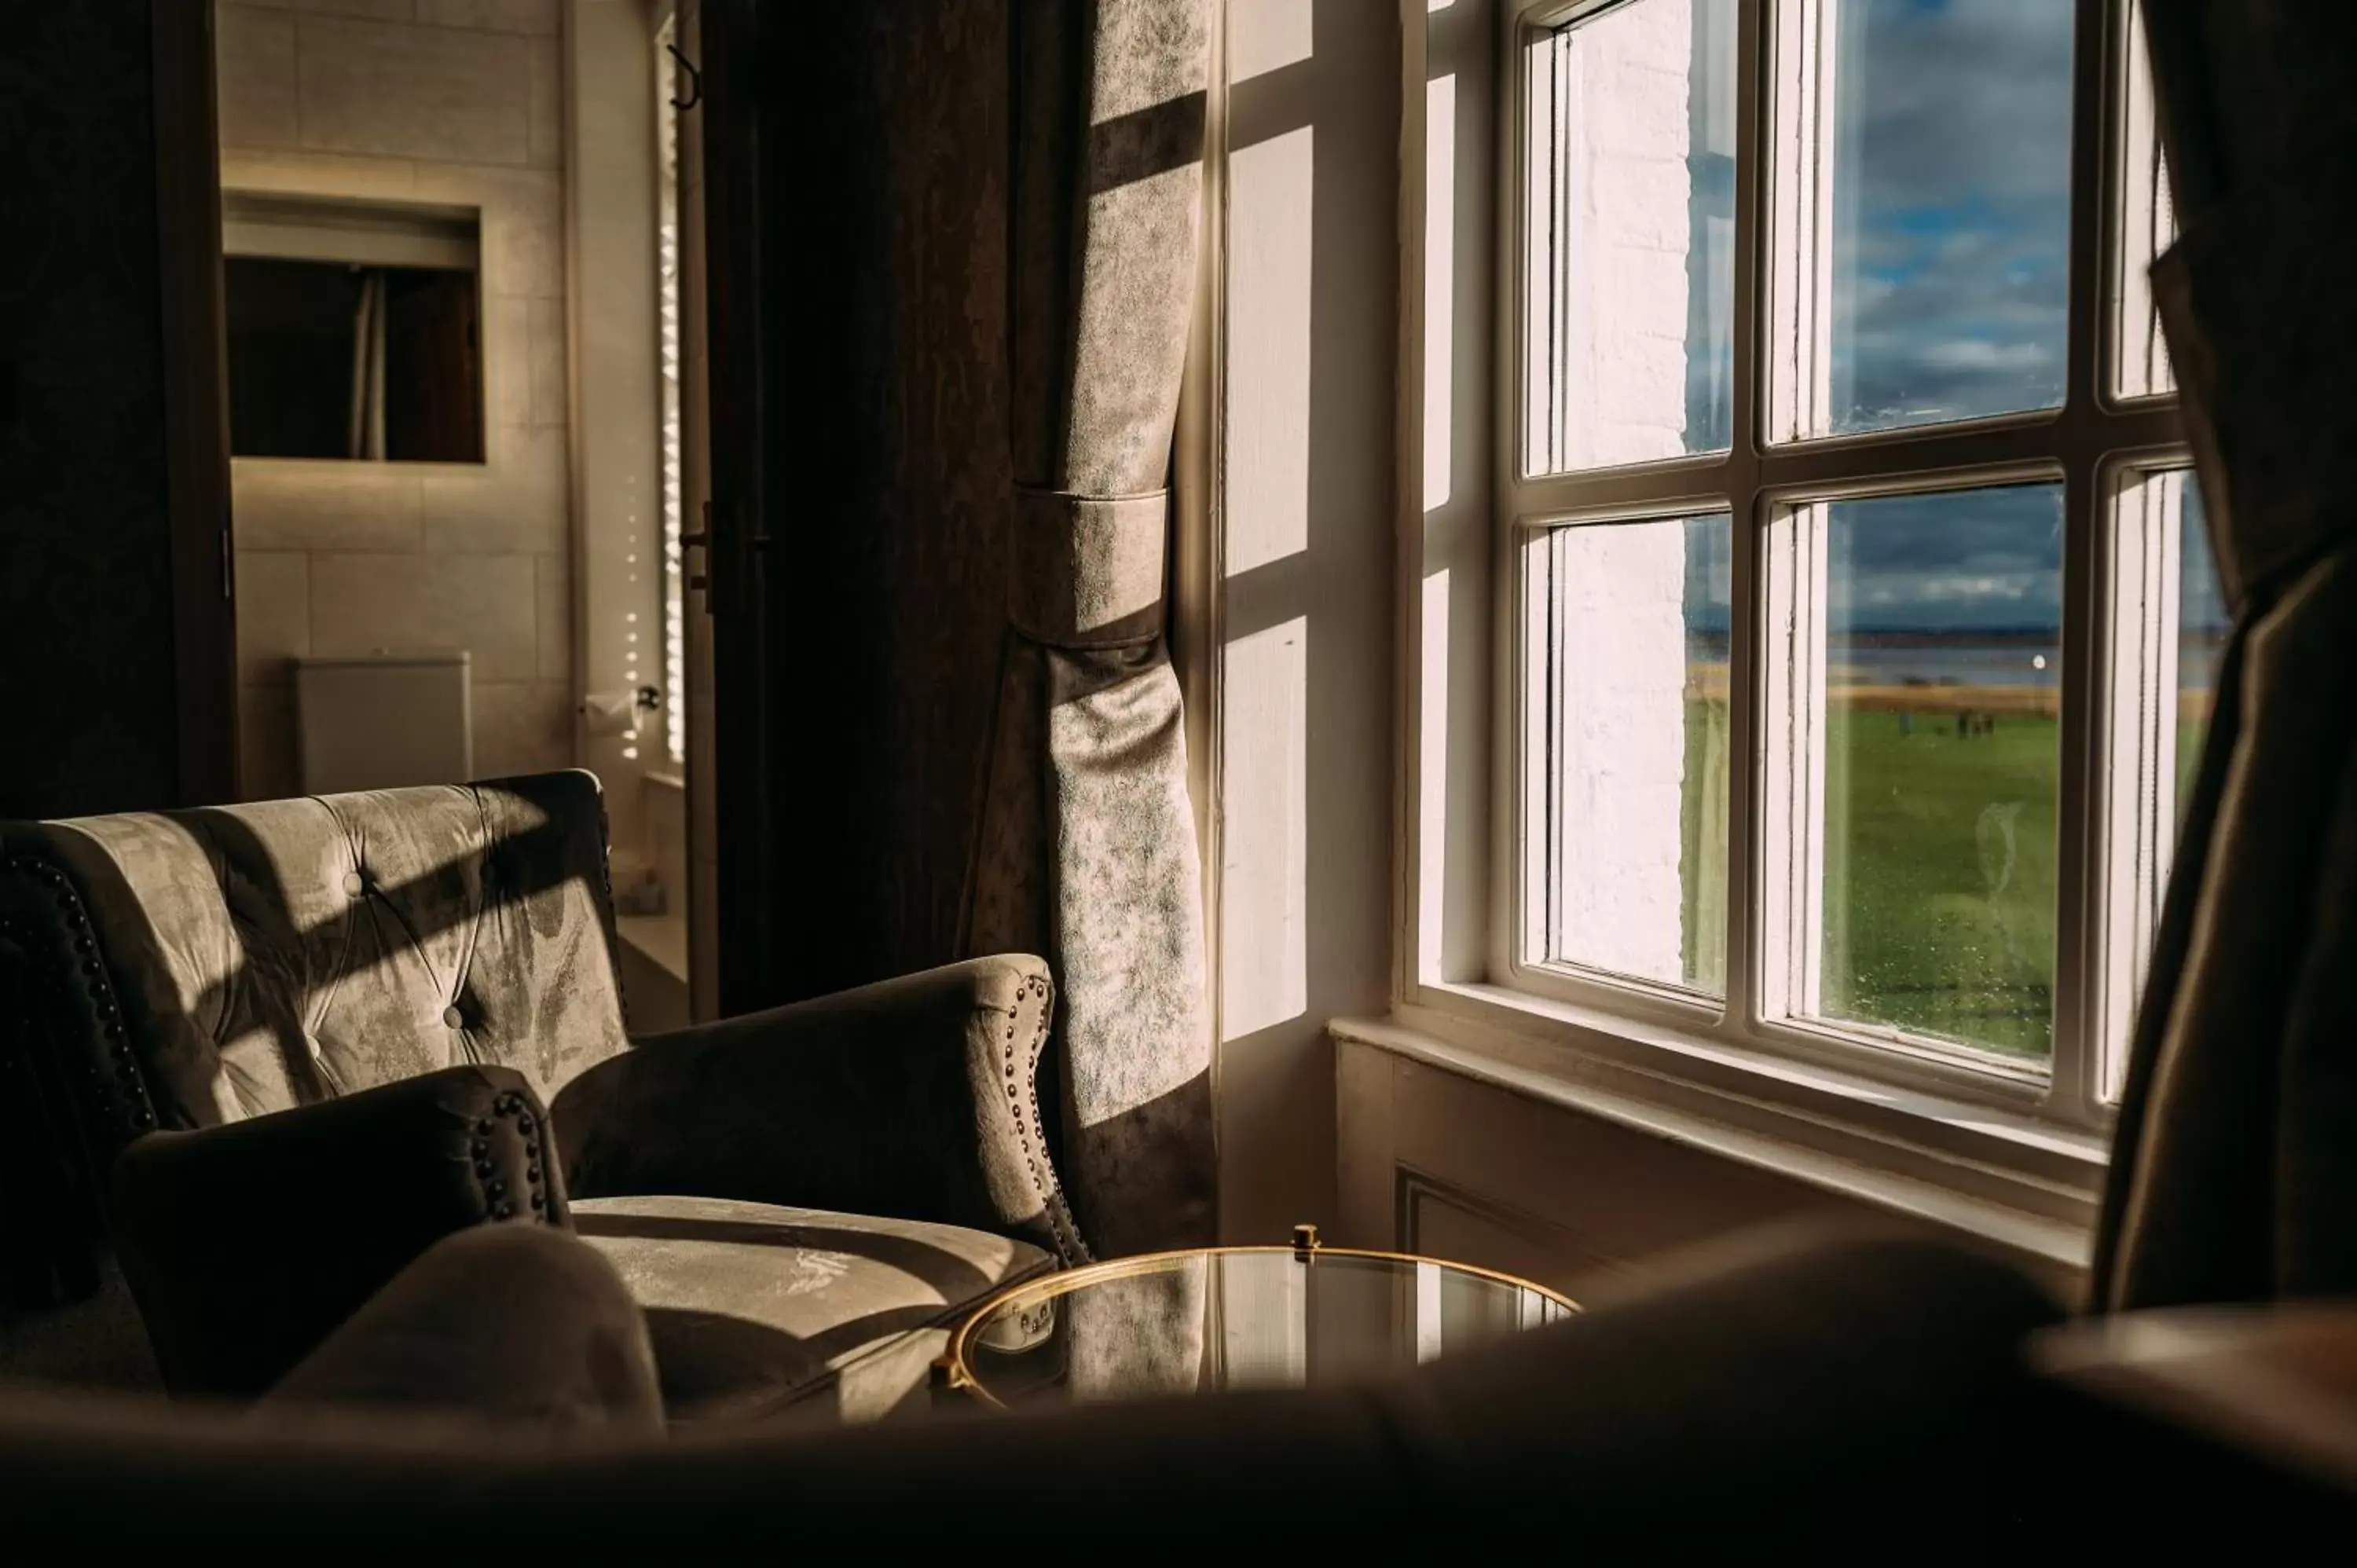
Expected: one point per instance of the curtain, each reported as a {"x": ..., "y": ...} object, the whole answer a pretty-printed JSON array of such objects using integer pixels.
[
  {"x": 2234, "y": 1173},
  {"x": 364, "y": 425},
  {"x": 1086, "y": 850}
]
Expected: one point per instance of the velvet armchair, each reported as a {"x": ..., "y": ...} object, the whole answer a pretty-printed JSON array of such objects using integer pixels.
[{"x": 280, "y": 1049}]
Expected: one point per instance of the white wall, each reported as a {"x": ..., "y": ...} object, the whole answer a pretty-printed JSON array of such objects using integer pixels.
[
  {"x": 1311, "y": 335},
  {"x": 1450, "y": 312},
  {"x": 609, "y": 137},
  {"x": 1440, "y": 1162},
  {"x": 449, "y": 101}
]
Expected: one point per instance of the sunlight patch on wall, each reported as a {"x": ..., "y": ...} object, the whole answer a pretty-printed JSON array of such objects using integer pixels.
[
  {"x": 1432, "y": 783},
  {"x": 1265, "y": 830},
  {"x": 1439, "y": 283},
  {"x": 1269, "y": 304},
  {"x": 1266, "y": 34}
]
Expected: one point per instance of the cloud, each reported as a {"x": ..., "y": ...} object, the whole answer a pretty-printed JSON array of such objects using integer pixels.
[
  {"x": 1951, "y": 249},
  {"x": 1970, "y": 355},
  {"x": 1953, "y": 561}
]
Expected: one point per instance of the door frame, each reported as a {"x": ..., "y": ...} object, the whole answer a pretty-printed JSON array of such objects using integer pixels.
[
  {"x": 196, "y": 400},
  {"x": 745, "y": 940}
]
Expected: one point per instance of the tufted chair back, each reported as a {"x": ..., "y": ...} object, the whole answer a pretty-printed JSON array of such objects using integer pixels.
[{"x": 204, "y": 966}]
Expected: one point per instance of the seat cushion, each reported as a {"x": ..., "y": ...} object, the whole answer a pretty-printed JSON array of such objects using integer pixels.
[{"x": 756, "y": 1311}]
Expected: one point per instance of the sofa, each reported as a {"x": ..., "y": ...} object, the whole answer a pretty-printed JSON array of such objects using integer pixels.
[{"x": 1784, "y": 1397}]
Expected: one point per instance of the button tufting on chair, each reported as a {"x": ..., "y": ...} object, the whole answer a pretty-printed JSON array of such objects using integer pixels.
[{"x": 512, "y": 961}]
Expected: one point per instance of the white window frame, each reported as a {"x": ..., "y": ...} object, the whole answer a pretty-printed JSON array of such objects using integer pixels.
[
  {"x": 670, "y": 448},
  {"x": 1749, "y": 1051}
]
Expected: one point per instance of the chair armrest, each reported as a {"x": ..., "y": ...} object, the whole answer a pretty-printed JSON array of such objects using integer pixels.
[
  {"x": 246, "y": 1245},
  {"x": 914, "y": 1098},
  {"x": 525, "y": 1325}
]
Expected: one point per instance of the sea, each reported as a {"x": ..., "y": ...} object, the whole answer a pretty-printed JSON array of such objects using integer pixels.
[
  {"x": 2010, "y": 664},
  {"x": 2010, "y": 660}
]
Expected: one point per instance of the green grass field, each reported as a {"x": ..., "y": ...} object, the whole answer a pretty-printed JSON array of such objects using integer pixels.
[{"x": 1940, "y": 860}]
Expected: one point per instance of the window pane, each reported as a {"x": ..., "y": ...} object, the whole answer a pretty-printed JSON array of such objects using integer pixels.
[
  {"x": 1942, "y": 685},
  {"x": 2166, "y": 633},
  {"x": 1629, "y": 219},
  {"x": 1632, "y": 693},
  {"x": 670, "y": 363},
  {"x": 1923, "y": 169},
  {"x": 2202, "y": 624},
  {"x": 2148, "y": 226}
]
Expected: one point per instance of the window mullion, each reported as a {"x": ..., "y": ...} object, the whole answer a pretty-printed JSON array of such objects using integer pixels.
[
  {"x": 1966, "y": 449},
  {"x": 2079, "y": 886},
  {"x": 2082, "y": 920},
  {"x": 1753, "y": 102},
  {"x": 1686, "y": 485},
  {"x": 2142, "y": 519},
  {"x": 1790, "y": 501}
]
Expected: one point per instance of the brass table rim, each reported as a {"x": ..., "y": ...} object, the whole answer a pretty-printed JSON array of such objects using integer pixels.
[{"x": 959, "y": 1371}]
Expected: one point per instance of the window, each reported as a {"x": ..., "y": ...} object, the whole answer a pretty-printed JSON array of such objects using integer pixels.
[
  {"x": 354, "y": 330},
  {"x": 1629, "y": 712},
  {"x": 1861, "y": 621},
  {"x": 669, "y": 359}
]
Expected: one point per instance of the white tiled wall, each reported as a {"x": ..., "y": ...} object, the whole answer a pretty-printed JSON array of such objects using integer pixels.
[{"x": 456, "y": 103}]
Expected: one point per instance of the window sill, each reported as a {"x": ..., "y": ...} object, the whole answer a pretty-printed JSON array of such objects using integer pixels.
[{"x": 2027, "y": 1186}]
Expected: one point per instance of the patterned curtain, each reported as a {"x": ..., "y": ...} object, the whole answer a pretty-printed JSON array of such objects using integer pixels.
[
  {"x": 2234, "y": 1174},
  {"x": 1087, "y": 850}
]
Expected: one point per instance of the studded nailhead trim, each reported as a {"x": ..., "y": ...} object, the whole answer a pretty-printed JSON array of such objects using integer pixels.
[
  {"x": 117, "y": 1091},
  {"x": 1023, "y": 1098},
  {"x": 509, "y": 1105}
]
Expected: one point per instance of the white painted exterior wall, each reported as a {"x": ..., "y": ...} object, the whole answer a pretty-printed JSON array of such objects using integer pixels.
[
  {"x": 1620, "y": 675},
  {"x": 1619, "y": 324},
  {"x": 1623, "y": 145}
]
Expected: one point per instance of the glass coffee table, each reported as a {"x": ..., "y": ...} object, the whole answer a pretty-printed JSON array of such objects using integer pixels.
[{"x": 1306, "y": 1316}]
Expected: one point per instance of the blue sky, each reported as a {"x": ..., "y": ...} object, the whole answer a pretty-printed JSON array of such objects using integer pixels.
[
  {"x": 1988, "y": 559},
  {"x": 1975, "y": 560},
  {"x": 1951, "y": 249},
  {"x": 1951, "y": 227}
]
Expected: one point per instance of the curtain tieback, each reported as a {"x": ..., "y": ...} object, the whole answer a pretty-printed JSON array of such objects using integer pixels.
[{"x": 1087, "y": 569}]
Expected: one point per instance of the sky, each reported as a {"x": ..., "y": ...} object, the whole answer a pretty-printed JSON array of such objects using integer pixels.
[
  {"x": 1951, "y": 147},
  {"x": 1986, "y": 559},
  {"x": 1952, "y": 208},
  {"x": 1951, "y": 249}
]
